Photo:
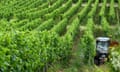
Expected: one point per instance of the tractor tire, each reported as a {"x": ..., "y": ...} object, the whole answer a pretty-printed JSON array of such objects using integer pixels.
[{"x": 97, "y": 62}]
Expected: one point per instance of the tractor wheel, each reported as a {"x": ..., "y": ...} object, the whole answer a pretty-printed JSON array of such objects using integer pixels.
[{"x": 96, "y": 61}]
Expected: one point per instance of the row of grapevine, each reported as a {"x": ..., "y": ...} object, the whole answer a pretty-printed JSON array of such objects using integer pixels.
[
  {"x": 45, "y": 25},
  {"x": 30, "y": 25},
  {"x": 19, "y": 23},
  {"x": 33, "y": 15},
  {"x": 119, "y": 4},
  {"x": 60, "y": 10},
  {"x": 93, "y": 10},
  {"x": 68, "y": 38},
  {"x": 102, "y": 11},
  {"x": 60, "y": 27},
  {"x": 85, "y": 10},
  {"x": 105, "y": 26},
  {"x": 72, "y": 10},
  {"x": 112, "y": 10},
  {"x": 56, "y": 5},
  {"x": 87, "y": 43},
  {"x": 112, "y": 16},
  {"x": 73, "y": 29},
  {"x": 30, "y": 4}
]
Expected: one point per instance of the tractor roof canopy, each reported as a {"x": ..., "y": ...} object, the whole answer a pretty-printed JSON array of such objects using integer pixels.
[{"x": 103, "y": 39}]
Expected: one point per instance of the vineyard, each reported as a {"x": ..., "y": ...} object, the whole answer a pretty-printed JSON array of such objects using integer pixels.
[{"x": 36, "y": 34}]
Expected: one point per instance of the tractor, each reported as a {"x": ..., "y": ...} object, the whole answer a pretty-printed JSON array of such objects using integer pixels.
[
  {"x": 103, "y": 46},
  {"x": 102, "y": 50}
]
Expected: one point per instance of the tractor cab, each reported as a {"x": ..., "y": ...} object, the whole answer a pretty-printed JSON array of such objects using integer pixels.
[
  {"x": 102, "y": 44},
  {"x": 102, "y": 50}
]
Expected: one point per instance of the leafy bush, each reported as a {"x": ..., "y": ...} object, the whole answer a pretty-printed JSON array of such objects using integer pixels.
[
  {"x": 115, "y": 59},
  {"x": 31, "y": 51}
]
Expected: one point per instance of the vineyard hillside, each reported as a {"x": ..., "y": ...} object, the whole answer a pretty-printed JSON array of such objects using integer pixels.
[{"x": 57, "y": 35}]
